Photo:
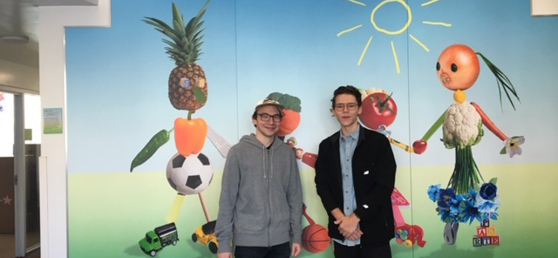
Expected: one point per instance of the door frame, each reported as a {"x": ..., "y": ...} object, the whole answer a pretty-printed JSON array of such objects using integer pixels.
[{"x": 20, "y": 176}]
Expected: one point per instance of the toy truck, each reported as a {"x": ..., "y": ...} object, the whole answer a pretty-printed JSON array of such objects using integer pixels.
[
  {"x": 206, "y": 236},
  {"x": 155, "y": 240}
]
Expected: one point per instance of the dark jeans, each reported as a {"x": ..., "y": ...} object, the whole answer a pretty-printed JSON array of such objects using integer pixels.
[
  {"x": 361, "y": 251},
  {"x": 276, "y": 251}
]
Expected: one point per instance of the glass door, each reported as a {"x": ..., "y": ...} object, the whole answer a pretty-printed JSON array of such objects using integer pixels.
[
  {"x": 32, "y": 137},
  {"x": 7, "y": 189},
  {"x": 19, "y": 196}
]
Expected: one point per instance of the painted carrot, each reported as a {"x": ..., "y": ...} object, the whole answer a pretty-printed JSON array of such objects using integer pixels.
[{"x": 488, "y": 123}]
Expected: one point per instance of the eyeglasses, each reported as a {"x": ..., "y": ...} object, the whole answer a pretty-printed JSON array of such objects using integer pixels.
[
  {"x": 265, "y": 117},
  {"x": 350, "y": 106}
]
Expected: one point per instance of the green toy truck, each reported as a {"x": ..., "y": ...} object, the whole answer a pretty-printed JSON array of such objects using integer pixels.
[{"x": 155, "y": 240}]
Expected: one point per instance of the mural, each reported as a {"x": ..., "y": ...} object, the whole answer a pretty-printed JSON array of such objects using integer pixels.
[{"x": 297, "y": 52}]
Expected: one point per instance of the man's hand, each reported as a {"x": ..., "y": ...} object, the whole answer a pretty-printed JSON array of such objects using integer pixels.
[
  {"x": 355, "y": 235},
  {"x": 347, "y": 225},
  {"x": 295, "y": 251},
  {"x": 225, "y": 255}
]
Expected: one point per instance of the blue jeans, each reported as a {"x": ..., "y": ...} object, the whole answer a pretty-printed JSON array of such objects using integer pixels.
[{"x": 276, "y": 251}]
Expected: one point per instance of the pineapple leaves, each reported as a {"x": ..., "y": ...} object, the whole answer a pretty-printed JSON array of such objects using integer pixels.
[
  {"x": 178, "y": 20},
  {"x": 170, "y": 43},
  {"x": 157, "y": 23},
  {"x": 200, "y": 96},
  {"x": 179, "y": 30},
  {"x": 185, "y": 39}
]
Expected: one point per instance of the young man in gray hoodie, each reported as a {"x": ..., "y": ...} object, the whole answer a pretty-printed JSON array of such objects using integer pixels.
[{"x": 260, "y": 208}]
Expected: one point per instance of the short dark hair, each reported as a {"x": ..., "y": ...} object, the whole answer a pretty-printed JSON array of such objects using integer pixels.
[{"x": 349, "y": 89}]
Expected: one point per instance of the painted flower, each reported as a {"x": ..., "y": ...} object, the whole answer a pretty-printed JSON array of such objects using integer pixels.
[
  {"x": 469, "y": 212},
  {"x": 487, "y": 206},
  {"x": 446, "y": 198},
  {"x": 512, "y": 145},
  {"x": 433, "y": 192},
  {"x": 488, "y": 191}
]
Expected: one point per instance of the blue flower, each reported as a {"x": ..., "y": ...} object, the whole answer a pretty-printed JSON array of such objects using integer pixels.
[
  {"x": 433, "y": 192},
  {"x": 488, "y": 191},
  {"x": 469, "y": 212},
  {"x": 446, "y": 198},
  {"x": 487, "y": 207},
  {"x": 466, "y": 207}
]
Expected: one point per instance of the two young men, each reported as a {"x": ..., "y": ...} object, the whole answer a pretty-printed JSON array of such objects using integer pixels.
[{"x": 261, "y": 198}]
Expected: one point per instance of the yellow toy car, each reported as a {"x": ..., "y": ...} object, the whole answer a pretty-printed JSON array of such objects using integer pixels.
[{"x": 206, "y": 236}]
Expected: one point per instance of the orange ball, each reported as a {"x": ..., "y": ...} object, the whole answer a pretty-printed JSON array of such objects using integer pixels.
[{"x": 315, "y": 238}]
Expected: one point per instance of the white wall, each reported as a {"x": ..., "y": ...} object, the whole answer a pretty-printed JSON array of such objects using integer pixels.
[
  {"x": 52, "y": 75},
  {"x": 544, "y": 7}
]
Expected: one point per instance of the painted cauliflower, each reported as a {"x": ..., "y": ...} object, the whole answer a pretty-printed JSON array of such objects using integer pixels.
[{"x": 462, "y": 126}]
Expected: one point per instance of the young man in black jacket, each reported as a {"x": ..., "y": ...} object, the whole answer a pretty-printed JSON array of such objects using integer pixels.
[{"x": 355, "y": 176}]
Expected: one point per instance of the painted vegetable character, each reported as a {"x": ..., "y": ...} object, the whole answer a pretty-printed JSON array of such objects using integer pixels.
[
  {"x": 458, "y": 69},
  {"x": 187, "y": 81},
  {"x": 291, "y": 118},
  {"x": 187, "y": 84}
]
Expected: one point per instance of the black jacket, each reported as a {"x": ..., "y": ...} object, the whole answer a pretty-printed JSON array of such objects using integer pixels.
[{"x": 373, "y": 168}]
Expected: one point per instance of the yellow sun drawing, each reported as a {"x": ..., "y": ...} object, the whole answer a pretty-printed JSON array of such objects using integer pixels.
[{"x": 389, "y": 32}]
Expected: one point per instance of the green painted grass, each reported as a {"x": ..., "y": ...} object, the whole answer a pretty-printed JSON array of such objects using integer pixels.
[{"x": 110, "y": 212}]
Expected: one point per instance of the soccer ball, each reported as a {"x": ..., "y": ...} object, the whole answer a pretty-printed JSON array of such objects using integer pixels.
[{"x": 189, "y": 175}]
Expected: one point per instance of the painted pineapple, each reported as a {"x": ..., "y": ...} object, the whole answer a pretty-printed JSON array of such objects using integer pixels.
[{"x": 187, "y": 82}]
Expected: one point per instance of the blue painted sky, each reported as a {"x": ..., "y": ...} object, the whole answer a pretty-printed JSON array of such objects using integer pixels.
[{"x": 117, "y": 77}]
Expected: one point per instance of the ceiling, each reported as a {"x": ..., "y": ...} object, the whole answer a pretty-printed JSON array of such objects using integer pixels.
[{"x": 19, "y": 22}]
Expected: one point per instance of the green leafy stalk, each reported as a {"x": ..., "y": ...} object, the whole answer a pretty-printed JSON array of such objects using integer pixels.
[
  {"x": 503, "y": 82},
  {"x": 466, "y": 175}
]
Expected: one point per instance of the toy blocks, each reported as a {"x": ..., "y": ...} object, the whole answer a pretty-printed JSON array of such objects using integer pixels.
[{"x": 486, "y": 235}]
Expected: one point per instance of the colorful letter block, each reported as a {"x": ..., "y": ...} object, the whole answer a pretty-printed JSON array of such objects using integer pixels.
[
  {"x": 477, "y": 241},
  {"x": 481, "y": 231},
  {"x": 491, "y": 231},
  {"x": 486, "y": 241},
  {"x": 495, "y": 240},
  {"x": 485, "y": 223}
]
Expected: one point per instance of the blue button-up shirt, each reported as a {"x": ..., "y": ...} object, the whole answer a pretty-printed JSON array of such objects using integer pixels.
[{"x": 347, "y": 146}]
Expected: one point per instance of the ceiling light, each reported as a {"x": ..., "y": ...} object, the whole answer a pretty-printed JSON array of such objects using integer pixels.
[{"x": 15, "y": 39}]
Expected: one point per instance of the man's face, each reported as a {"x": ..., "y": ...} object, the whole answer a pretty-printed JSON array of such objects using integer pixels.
[
  {"x": 270, "y": 127},
  {"x": 346, "y": 109}
]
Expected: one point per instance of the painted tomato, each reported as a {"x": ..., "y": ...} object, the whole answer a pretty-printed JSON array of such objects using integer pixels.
[{"x": 378, "y": 109}]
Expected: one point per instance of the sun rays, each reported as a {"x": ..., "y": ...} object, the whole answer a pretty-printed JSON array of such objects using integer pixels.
[{"x": 392, "y": 32}]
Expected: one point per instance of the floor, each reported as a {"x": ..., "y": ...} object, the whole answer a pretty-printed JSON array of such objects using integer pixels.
[{"x": 7, "y": 245}]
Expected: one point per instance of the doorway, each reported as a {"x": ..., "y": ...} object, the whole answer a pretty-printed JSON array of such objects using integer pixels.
[{"x": 20, "y": 138}]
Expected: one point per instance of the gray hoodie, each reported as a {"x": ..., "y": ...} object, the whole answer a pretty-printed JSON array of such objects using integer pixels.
[{"x": 261, "y": 196}]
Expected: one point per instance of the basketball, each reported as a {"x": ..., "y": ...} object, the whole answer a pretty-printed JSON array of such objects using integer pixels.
[{"x": 315, "y": 238}]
